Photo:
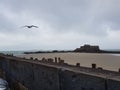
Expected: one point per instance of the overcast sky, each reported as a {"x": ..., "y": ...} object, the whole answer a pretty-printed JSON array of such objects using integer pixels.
[{"x": 63, "y": 24}]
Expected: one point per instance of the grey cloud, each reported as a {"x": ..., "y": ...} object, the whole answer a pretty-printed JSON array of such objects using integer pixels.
[
  {"x": 90, "y": 18},
  {"x": 5, "y": 24},
  {"x": 85, "y": 17}
]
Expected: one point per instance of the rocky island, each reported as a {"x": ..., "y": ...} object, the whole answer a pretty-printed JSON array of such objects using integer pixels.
[{"x": 85, "y": 48}]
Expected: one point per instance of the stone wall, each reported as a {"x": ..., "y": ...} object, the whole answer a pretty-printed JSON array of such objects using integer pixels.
[
  {"x": 32, "y": 76},
  {"x": 113, "y": 84},
  {"x": 36, "y": 76},
  {"x": 78, "y": 81}
]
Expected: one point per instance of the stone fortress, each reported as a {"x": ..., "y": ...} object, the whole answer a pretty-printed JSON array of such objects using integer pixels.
[
  {"x": 93, "y": 49},
  {"x": 55, "y": 74},
  {"x": 88, "y": 48}
]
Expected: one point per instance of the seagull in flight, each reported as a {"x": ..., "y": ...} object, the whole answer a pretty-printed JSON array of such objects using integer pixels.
[{"x": 31, "y": 26}]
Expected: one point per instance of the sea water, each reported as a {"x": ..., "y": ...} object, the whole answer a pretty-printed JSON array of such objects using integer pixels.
[
  {"x": 3, "y": 84},
  {"x": 13, "y": 52}
]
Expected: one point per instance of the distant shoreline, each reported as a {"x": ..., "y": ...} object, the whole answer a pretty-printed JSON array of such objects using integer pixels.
[
  {"x": 83, "y": 49},
  {"x": 56, "y": 51}
]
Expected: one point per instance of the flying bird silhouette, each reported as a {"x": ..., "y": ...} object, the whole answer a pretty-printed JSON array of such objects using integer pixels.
[{"x": 31, "y": 26}]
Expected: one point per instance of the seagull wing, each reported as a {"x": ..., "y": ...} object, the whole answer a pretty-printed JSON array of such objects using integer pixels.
[
  {"x": 34, "y": 26},
  {"x": 24, "y": 26}
]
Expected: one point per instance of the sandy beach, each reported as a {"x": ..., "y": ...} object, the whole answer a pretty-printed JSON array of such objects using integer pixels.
[{"x": 106, "y": 61}]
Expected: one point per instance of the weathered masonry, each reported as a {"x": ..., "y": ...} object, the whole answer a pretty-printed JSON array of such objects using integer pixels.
[{"x": 40, "y": 75}]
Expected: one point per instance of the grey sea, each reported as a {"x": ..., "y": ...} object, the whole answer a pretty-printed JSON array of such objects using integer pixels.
[{"x": 13, "y": 52}]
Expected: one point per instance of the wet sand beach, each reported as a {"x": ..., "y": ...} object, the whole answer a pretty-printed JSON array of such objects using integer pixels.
[{"x": 106, "y": 61}]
